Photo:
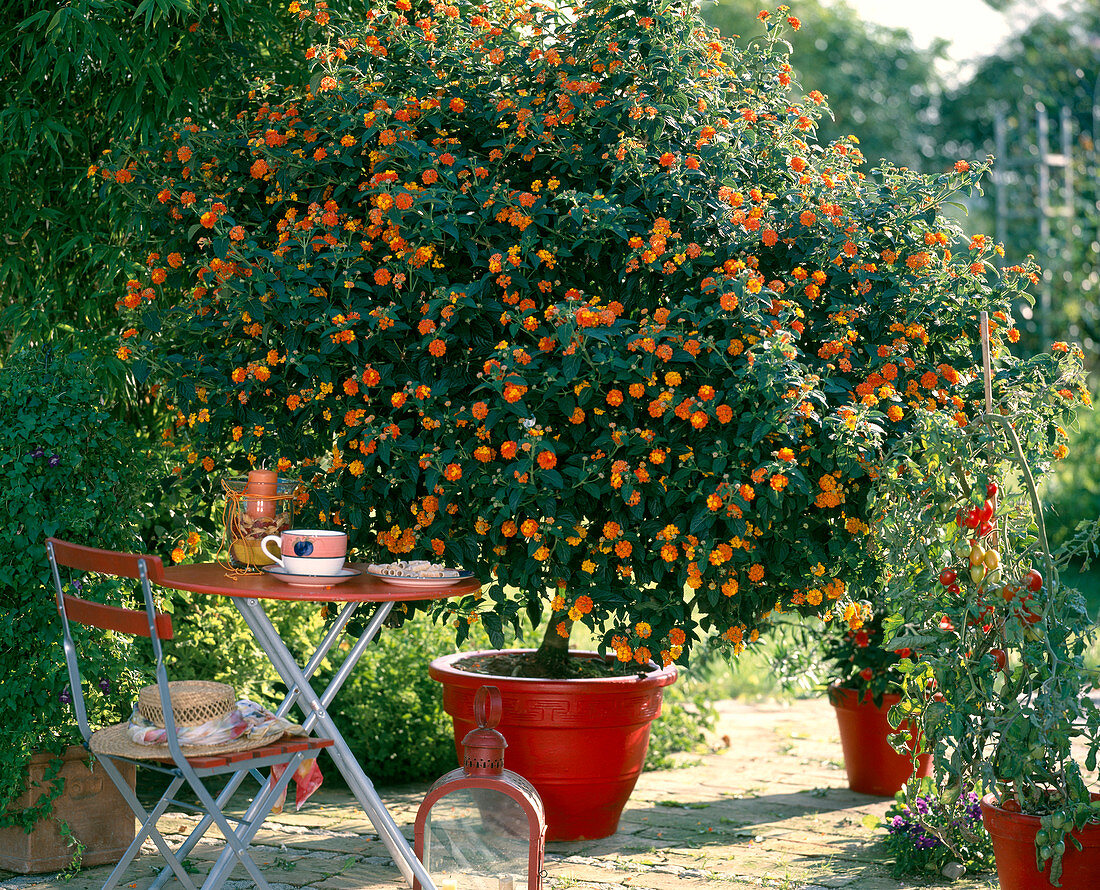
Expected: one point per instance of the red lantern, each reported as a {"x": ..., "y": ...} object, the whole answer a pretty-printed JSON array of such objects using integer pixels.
[{"x": 482, "y": 827}]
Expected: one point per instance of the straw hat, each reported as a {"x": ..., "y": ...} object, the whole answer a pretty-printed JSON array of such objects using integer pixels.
[{"x": 194, "y": 702}]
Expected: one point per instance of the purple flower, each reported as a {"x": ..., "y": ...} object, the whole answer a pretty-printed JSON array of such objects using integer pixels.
[
  {"x": 66, "y": 697},
  {"x": 104, "y": 685},
  {"x": 53, "y": 461},
  {"x": 38, "y": 452}
]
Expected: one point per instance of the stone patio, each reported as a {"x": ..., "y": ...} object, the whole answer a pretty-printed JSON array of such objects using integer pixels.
[{"x": 770, "y": 808}]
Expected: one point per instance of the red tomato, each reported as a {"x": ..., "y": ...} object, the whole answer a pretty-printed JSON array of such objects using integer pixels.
[
  {"x": 984, "y": 528},
  {"x": 1033, "y": 581},
  {"x": 986, "y": 511},
  {"x": 1001, "y": 658},
  {"x": 991, "y": 490},
  {"x": 947, "y": 577}
]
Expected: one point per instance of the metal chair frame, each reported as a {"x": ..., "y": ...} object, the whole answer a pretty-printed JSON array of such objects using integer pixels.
[{"x": 180, "y": 768}]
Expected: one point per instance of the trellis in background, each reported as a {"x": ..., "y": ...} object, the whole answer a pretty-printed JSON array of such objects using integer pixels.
[{"x": 1045, "y": 196}]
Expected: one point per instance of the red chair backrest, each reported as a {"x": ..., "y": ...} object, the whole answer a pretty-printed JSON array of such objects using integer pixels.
[
  {"x": 127, "y": 621},
  {"x": 111, "y": 562}
]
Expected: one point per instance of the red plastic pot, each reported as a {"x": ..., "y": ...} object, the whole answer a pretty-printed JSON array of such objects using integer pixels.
[
  {"x": 581, "y": 743},
  {"x": 873, "y": 767},
  {"x": 1014, "y": 848}
]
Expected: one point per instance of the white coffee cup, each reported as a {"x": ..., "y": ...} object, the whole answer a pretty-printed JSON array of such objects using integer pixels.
[{"x": 308, "y": 551}]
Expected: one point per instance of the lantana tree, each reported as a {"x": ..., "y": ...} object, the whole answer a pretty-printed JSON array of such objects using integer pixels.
[{"x": 572, "y": 298}]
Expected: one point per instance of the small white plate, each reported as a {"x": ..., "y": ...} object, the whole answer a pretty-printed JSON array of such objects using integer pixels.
[
  {"x": 312, "y": 580},
  {"x": 417, "y": 581}
]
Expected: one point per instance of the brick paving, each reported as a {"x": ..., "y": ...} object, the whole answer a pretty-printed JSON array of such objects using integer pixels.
[{"x": 770, "y": 808}]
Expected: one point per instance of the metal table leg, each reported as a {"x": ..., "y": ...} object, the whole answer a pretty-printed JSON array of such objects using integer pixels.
[
  {"x": 330, "y": 639},
  {"x": 314, "y": 707}
]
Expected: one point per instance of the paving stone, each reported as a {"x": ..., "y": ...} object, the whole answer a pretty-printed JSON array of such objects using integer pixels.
[{"x": 768, "y": 808}]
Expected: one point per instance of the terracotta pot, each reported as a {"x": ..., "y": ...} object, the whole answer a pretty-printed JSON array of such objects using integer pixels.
[
  {"x": 581, "y": 743},
  {"x": 1014, "y": 848},
  {"x": 90, "y": 805},
  {"x": 873, "y": 767}
]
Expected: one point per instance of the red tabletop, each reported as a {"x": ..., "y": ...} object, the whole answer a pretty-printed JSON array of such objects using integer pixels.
[{"x": 212, "y": 577}]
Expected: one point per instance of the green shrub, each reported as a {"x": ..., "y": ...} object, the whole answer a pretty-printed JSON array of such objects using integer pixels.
[
  {"x": 574, "y": 301},
  {"x": 73, "y": 471}
]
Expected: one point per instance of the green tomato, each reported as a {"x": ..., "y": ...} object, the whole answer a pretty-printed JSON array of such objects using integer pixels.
[{"x": 1042, "y": 838}]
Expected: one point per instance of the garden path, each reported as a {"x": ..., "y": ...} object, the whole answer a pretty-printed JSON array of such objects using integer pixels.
[{"x": 769, "y": 808}]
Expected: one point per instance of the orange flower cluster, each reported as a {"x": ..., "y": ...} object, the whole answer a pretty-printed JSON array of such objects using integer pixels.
[{"x": 436, "y": 293}]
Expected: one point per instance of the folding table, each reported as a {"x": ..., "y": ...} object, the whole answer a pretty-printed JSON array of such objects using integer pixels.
[{"x": 247, "y": 590}]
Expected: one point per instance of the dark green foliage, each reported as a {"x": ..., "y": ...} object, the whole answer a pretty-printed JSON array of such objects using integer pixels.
[
  {"x": 88, "y": 75},
  {"x": 1055, "y": 62},
  {"x": 71, "y": 471}
]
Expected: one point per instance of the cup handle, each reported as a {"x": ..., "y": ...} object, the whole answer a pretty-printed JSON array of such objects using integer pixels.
[{"x": 263, "y": 546}]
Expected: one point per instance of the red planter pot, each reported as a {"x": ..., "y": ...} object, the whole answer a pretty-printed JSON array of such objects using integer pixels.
[
  {"x": 1014, "y": 848},
  {"x": 581, "y": 743},
  {"x": 873, "y": 767}
]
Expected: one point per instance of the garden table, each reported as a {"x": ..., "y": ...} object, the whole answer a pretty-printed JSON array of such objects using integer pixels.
[{"x": 247, "y": 590}]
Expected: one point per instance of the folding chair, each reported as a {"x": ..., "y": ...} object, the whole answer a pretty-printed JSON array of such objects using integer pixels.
[{"x": 180, "y": 768}]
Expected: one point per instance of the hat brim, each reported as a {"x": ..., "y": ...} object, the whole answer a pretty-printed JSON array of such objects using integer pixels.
[{"x": 115, "y": 741}]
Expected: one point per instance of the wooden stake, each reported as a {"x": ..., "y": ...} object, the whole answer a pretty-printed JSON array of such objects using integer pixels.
[{"x": 987, "y": 369}]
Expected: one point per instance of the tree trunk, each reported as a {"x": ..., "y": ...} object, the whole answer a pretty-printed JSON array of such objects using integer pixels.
[{"x": 552, "y": 656}]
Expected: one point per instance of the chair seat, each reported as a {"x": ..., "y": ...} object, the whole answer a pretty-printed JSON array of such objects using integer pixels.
[{"x": 286, "y": 745}]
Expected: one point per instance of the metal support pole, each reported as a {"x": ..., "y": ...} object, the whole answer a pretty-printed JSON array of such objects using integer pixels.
[{"x": 313, "y": 704}]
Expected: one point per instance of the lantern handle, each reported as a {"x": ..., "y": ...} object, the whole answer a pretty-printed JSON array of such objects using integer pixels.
[{"x": 487, "y": 707}]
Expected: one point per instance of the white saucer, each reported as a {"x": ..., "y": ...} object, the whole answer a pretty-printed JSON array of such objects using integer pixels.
[{"x": 312, "y": 580}]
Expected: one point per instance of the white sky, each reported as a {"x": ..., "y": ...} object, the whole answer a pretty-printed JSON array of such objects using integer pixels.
[{"x": 972, "y": 28}]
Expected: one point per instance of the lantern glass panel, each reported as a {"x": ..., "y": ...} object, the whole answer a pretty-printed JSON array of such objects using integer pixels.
[{"x": 477, "y": 839}]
